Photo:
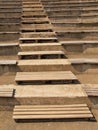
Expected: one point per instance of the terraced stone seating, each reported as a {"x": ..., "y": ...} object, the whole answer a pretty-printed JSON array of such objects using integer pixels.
[
  {"x": 74, "y": 111},
  {"x": 51, "y": 77},
  {"x": 6, "y": 92},
  {"x": 9, "y": 27},
  {"x": 8, "y": 66},
  {"x": 91, "y": 90},
  {"x": 84, "y": 61},
  {"x": 8, "y": 48},
  {"x": 41, "y": 55}
]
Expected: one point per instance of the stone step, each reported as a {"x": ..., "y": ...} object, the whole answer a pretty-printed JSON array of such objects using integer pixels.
[
  {"x": 37, "y": 112},
  {"x": 35, "y": 20},
  {"x": 9, "y": 49},
  {"x": 10, "y": 15},
  {"x": 36, "y": 28},
  {"x": 67, "y": 2},
  {"x": 7, "y": 10},
  {"x": 30, "y": 14},
  {"x": 85, "y": 16},
  {"x": 80, "y": 47},
  {"x": 10, "y": 20},
  {"x": 11, "y": 27},
  {"x": 33, "y": 6},
  {"x": 51, "y": 77},
  {"x": 44, "y": 65},
  {"x": 69, "y": 5},
  {"x": 54, "y": 94},
  {"x": 74, "y": 20},
  {"x": 77, "y": 35},
  {"x": 37, "y": 34},
  {"x": 41, "y": 55},
  {"x": 10, "y": 7},
  {"x": 41, "y": 47},
  {"x": 38, "y": 40},
  {"x": 7, "y": 36},
  {"x": 8, "y": 66},
  {"x": 6, "y": 92}
]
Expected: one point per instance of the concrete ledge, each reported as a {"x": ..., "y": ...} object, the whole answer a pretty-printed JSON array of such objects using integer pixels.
[
  {"x": 84, "y": 65},
  {"x": 47, "y": 94},
  {"x": 41, "y": 46},
  {"x": 8, "y": 66},
  {"x": 72, "y": 47},
  {"x": 9, "y": 49},
  {"x": 44, "y": 65}
]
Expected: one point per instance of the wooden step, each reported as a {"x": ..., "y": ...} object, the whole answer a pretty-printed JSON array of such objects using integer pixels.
[
  {"x": 74, "y": 111},
  {"x": 44, "y": 65},
  {"x": 41, "y": 47},
  {"x": 38, "y": 40},
  {"x": 6, "y": 92},
  {"x": 55, "y": 77},
  {"x": 41, "y": 55}
]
